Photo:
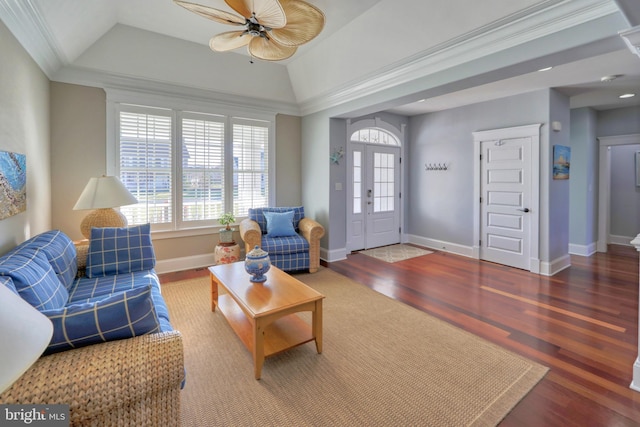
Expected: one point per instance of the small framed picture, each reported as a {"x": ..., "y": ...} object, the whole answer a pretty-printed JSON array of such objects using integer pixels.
[{"x": 561, "y": 161}]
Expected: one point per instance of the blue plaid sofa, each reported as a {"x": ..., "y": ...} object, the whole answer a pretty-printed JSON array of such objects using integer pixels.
[
  {"x": 111, "y": 327},
  {"x": 291, "y": 239}
]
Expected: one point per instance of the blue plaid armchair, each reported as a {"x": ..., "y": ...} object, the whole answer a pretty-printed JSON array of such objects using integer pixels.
[{"x": 292, "y": 241}]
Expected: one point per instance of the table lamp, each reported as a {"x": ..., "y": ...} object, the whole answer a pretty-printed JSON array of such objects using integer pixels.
[
  {"x": 103, "y": 194},
  {"x": 24, "y": 334}
]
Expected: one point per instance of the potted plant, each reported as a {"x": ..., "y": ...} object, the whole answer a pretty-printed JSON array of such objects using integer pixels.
[{"x": 226, "y": 233}]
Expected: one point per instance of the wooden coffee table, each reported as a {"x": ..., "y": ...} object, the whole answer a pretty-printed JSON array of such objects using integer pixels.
[{"x": 263, "y": 314}]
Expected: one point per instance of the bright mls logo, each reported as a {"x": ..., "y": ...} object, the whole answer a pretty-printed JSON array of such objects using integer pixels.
[{"x": 34, "y": 415}]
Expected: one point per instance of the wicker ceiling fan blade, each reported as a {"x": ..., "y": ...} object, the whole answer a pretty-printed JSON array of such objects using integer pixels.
[
  {"x": 211, "y": 13},
  {"x": 304, "y": 23},
  {"x": 269, "y": 50},
  {"x": 228, "y": 41},
  {"x": 268, "y": 12}
]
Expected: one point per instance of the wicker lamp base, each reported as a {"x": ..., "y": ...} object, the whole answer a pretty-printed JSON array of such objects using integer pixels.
[{"x": 106, "y": 217}]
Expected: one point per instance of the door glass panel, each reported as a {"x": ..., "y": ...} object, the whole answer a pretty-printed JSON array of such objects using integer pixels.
[
  {"x": 383, "y": 184},
  {"x": 357, "y": 182}
]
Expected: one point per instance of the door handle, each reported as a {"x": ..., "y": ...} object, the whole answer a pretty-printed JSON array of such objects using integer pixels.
[{"x": 525, "y": 210}]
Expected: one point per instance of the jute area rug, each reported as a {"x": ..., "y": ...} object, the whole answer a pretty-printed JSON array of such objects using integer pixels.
[
  {"x": 395, "y": 253},
  {"x": 383, "y": 364}
]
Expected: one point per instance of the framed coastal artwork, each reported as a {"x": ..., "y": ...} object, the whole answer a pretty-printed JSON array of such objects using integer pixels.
[
  {"x": 13, "y": 184},
  {"x": 561, "y": 161}
]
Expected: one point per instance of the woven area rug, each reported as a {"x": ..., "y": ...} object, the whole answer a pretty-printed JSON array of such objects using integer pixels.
[
  {"x": 383, "y": 364},
  {"x": 395, "y": 253}
]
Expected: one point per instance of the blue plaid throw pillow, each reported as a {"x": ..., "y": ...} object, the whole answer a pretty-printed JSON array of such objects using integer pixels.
[
  {"x": 34, "y": 278},
  {"x": 121, "y": 315},
  {"x": 120, "y": 250},
  {"x": 61, "y": 253}
]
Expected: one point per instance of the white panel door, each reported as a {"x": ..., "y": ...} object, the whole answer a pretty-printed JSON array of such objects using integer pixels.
[{"x": 505, "y": 201}]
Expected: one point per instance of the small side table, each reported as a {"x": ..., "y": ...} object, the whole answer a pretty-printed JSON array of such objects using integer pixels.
[{"x": 227, "y": 252}]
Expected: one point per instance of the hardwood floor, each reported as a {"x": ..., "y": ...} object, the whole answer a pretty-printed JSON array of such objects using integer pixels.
[{"x": 582, "y": 323}]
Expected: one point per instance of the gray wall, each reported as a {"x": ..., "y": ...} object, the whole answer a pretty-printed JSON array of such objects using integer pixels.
[
  {"x": 24, "y": 129},
  {"x": 620, "y": 121},
  {"x": 624, "y": 218},
  {"x": 558, "y": 205},
  {"x": 583, "y": 199},
  {"x": 441, "y": 202},
  {"x": 316, "y": 172}
]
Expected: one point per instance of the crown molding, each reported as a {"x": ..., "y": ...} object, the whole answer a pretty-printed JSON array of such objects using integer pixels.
[
  {"x": 25, "y": 23},
  {"x": 542, "y": 20},
  {"x": 104, "y": 80},
  {"x": 545, "y": 18},
  {"x": 631, "y": 38}
]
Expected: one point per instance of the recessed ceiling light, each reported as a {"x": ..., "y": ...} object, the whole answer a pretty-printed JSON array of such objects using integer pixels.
[
  {"x": 611, "y": 77},
  {"x": 627, "y": 95},
  {"x": 545, "y": 69},
  {"x": 421, "y": 100}
]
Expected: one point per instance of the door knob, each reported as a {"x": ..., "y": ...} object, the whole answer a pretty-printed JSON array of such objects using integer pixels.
[{"x": 524, "y": 210}]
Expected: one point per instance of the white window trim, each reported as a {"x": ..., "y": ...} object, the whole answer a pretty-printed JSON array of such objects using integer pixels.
[{"x": 184, "y": 105}]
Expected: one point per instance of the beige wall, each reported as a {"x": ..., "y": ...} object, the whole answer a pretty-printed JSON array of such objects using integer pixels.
[
  {"x": 288, "y": 164},
  {"x": 78, "y": 140},
  {"x": 24, "y": 129}
]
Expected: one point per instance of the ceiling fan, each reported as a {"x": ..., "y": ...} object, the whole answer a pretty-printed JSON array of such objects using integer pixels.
[{"x": 273, "y": 29}]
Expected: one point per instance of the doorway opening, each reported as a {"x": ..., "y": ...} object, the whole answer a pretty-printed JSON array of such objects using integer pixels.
[
  {"x": 374, "y": 211},
  {"x": 604, "y": 193}
]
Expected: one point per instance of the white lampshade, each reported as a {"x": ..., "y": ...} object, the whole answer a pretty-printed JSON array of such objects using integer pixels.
[
  {"x": 24, "y": 334},
  {"x": 104, "y": 192}
]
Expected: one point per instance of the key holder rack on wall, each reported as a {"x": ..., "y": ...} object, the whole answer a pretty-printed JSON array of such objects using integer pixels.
[{"x": 436, "y": 167}]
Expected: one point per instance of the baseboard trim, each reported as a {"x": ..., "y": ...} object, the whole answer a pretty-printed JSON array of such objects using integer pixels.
[
  {"x": 582, "y": 250},
  {"x": 635, "y": 383},
  {"x": 555, "y": 266},
  {"x": 441, "y": 245},
  {"x": 185, "y": 263},
  {"x": 333, "y": 255},
  {"x": 620, "y": 240}
]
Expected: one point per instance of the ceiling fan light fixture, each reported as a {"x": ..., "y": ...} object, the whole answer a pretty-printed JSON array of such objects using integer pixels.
[
  {"x": 268, "y": 50},
  {"x": 273, "y": 29}
]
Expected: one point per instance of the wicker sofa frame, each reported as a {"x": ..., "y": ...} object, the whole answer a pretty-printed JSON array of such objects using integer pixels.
[{"x": 129, "y": 382}]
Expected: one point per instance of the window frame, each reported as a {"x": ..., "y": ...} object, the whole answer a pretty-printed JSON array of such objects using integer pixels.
[{"x": 188, "y": 108}]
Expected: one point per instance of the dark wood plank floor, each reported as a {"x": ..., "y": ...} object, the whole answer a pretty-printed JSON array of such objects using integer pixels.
[{"x": 582, "y": 323}]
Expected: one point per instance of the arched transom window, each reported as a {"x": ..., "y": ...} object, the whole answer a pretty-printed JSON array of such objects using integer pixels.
[{"x": 375, "y": 136}]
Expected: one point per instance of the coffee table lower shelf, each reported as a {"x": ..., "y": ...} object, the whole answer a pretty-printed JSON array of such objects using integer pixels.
[{"x": 281, "y": 335}]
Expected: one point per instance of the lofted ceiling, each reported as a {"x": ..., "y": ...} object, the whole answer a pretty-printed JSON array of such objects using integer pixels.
[{"x": 366, "y": 47}]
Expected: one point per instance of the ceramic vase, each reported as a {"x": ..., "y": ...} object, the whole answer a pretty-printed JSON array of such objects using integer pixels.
[{"x": 257, "y": 263}]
